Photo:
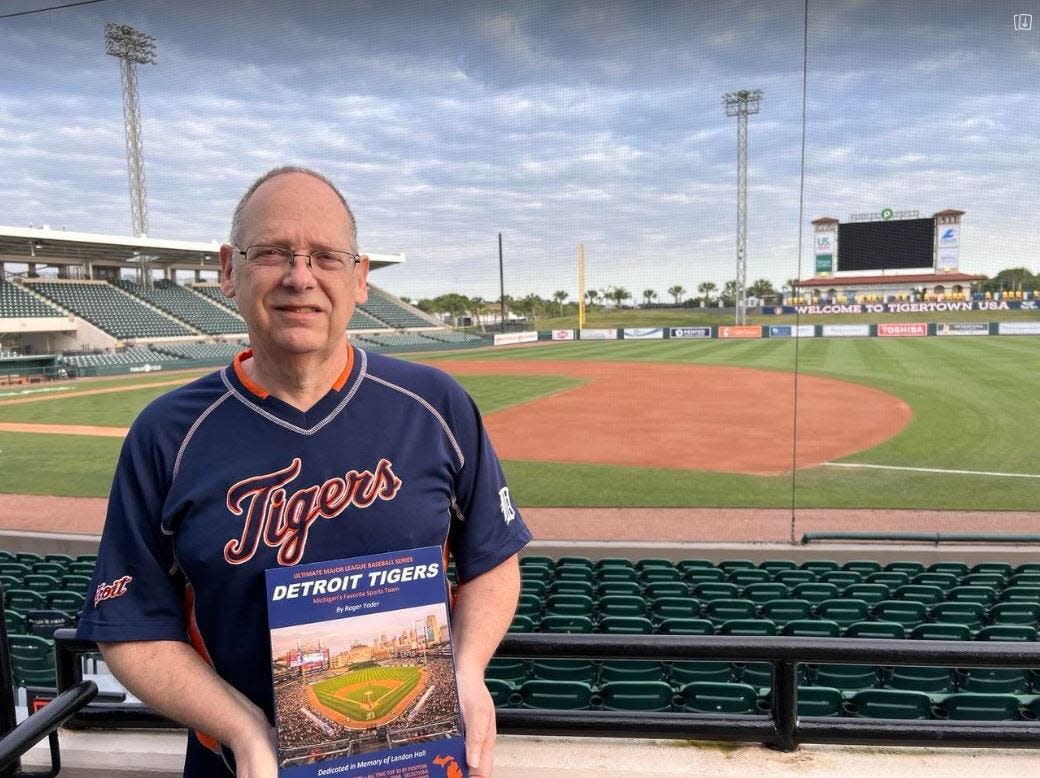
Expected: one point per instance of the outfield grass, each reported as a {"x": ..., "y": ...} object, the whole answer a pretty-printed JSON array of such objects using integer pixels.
[
  {"x": 973, "y": 402},
  {"x": 375, "y": 681}
]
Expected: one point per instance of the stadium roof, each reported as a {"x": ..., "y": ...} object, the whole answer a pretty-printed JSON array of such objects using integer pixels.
[
  {"x": 43, "y": 245},
  {"x": 918, "y": 278}
]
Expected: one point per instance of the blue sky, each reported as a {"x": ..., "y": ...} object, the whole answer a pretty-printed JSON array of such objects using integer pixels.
[{"x": 552, "y": 122}]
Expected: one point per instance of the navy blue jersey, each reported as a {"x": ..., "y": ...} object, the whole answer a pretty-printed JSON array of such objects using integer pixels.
[{"x": 218, "y": 481}]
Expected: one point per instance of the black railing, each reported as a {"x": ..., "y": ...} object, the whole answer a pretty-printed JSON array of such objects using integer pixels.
[{"x": 781, "y": 728}]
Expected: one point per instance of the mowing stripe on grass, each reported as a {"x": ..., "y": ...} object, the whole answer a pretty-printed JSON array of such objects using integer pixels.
[{"x": 932, "y": 470}]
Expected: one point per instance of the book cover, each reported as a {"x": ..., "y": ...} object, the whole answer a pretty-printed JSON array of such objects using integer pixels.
[{"x": 363, "y": 669}]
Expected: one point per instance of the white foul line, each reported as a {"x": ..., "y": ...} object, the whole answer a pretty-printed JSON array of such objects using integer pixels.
[{"x": 932, "y": 470}]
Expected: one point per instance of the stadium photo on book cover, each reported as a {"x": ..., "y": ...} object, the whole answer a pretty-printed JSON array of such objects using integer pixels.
[{"x": 384, "y": 682}]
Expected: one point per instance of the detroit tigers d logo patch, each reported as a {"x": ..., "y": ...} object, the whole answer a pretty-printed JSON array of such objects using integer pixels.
[{"x": 506, "y": 504}]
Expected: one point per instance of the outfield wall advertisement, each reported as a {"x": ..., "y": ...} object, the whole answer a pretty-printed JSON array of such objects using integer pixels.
[
  {"x": 685, "y": 333},
  {"x": 602, "y": 334},
  {"x": 740, "y": 331},
  {"x": 643, "y": 333},
  {"x": 915, "y": 330},
  {"x": 962, "y": 328},
  {"x": 845, "y": 331},
  {"x": 793, "y": 331},
  {"x": 563, "y": 334},
  {"x": 510, "y": 338},
  {"x": 1018, "y": 328}
]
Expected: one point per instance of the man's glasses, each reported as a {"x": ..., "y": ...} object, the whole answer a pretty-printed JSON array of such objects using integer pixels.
[{"x": 329, "y": 260}]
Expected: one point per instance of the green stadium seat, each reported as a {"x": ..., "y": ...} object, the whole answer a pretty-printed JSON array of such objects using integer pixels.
[
  {"x": 15, "y": 622},
  {"x": 762, "y": 627},
  {"x": 527, "y": 561},
  {"x": 650, "y": 575},
  {"x": 904, "y": 566},
  {"x": 661, "y": 589},
  {"x": 24, "y": 600},
  {"x": 774, "y": 566},
  {"x": 933, "y": 680},
  {"x": 699, "y": 575},
  {"x": 10, "y": 582},
  {"x": 939, "y": 631},
  {"x": 992, "y": 580},
  {"x": 40, "y": 583},
  {"x": 815, "y": 592},
  {"x": 1015, "y": 612},
  {"x": 862, "y": 566},
  {"x": 723, "y": 610},
  {"x": 49, "y": 568},
  {"x": 891, "y": 578},
  {"x": 607, "y": 588},
  {"x": 889, "y": 704},
  {"x": 1025, "y": 592},
  {"x": 92, "y": 558},
  {"x": 621, "y": 605},
  {"x": 569, "y": 605},
  {"x": 710, "y": 697},
  {"x": 819, "y": 701},
  {"x": 841, "y": 578},
  {"x": 870, "y": 593},
  {"x": 757, "y": 674},
  {"x": 686, "y": 627},
  {"x": 994, "y": 680},
  {"x": 625, "y": 625},
  {"x": 967, "y": 706},
  {"x": 843, "y": 611},
  {"x": 685, "y": 565},
  {"x": 1006, "y": 632},
  {"x": 555, "y": 695},
  {"x": 715, "y": 590},
  {"x": 574, "y": 573},
  {"x": 614, "y": 562},
  {"x": 575, "y": 561},
  {"x": 877, "y": 630},
  {"x": 581, "y": 670},
  {"x": 1027, "y": 567},
  {"x": 980, "y": 594},
  {"x": 956, "y": 569},
  {"x": 32, "y": 660},
  {"x": 970, "y": 614},
  {"x": 848, "y": 678},
  {"x": 630, "y": 670},
  {"x": 931, "y": 578},
  {"x": 819, "y": 566},
  {"x": 529, "y": 605},
  {"x": 811, "y": 628},
  {"x": 535, "y": 588},
  {"x": 636, "y": 695},
  {"x": 29, "y": 558},
  {"x": 6, "y": 556},
  {"x": 783, "y": 610},
  {"x": 501, "y": 692},
  {"x": 729, "y": 565},
  {"x": 745, "y": 577},
  {"x": 929, "y": 595},
  {"x": 567, "y": 624},
  {"x": 542, "y": 574},
  {"x": 522, "y": 624},
  {"x": 62, "y": 559},
  {"x": 70, "y": 602},
  {"x": 791, "y": 578},
  {"x": 683, "y": 673},
  {"x": 78, "y": 567},
  {"x": 610, "y": 574},
  {"x": 909, "y": 613},
  {"x": 1003, "y": 569},
  {"x": 16, "y": 569},
  {"x": 761, "y": 593},
  {"x": 675, "y": 608},
  {"x": 583, "y": 588},
  {"x": 508, "y": 670}
]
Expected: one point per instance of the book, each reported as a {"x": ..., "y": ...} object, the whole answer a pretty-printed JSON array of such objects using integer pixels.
[{"x": 363, "y": 668}]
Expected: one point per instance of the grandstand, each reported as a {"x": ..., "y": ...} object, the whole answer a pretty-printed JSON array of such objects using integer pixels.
[
  {"x": 188, "y": 307},
  {"x": 16, "y": 303}
]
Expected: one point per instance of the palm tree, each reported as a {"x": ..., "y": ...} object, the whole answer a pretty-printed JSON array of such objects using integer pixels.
[
  {"x": 617, "y": 294},
  {"x": 676, "y": 292},
  {"x": 706, "y": 289},
  {"x": 560, "y": 296},
  {"x": 729, "y": 293},
  {"x": 649, "y": 295},
  {"x": 591, "y": 297}
]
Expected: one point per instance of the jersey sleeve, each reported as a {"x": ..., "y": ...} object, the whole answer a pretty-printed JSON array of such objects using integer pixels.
[
  {"x": 136, "y": 592},
  {"x": 487, "y": 527}
]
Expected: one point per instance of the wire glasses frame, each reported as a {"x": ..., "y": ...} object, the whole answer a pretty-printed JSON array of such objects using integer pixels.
[{"x": 277, "y": 256}]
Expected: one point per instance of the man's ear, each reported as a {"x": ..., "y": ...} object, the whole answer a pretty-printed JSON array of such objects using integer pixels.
[
  {"x": 227, "y": 284},
  {"x": 361, "y": 280}
]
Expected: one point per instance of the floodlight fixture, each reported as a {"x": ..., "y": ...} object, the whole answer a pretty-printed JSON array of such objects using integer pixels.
[
  {"x": 740, "y": 104},
  {"x": 132, "y": 47}
]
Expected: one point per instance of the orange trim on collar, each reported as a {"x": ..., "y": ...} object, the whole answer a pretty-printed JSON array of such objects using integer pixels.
[
  {"x": 247, "y": 382},
  {"x": 342, "y": 380}
]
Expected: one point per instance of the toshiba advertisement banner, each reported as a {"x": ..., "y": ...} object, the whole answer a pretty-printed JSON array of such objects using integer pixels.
[{"x": 915, "y": 330}]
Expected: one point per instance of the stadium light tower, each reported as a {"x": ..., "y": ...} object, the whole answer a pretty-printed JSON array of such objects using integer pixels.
[
  {"x": 132, "y": 48},
  {"x": 740, "y": 104}
]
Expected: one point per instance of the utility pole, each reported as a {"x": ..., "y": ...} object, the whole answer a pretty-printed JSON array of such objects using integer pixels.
[{"x": 740, "y": 104}]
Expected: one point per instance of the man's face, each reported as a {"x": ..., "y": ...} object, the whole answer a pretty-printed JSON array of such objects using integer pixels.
[{"x": 302, "y": 311}]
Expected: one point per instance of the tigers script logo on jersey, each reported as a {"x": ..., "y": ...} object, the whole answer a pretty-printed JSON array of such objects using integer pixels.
[
  {"x": 283, "y": 519},
  {"x": 506, "y": 504},
  {"x": 110, "y": 591}
]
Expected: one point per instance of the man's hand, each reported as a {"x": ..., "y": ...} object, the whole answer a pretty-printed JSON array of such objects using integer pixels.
[
  {"x": 256, "y": 755},
  {"x": 478, "y": 713}
]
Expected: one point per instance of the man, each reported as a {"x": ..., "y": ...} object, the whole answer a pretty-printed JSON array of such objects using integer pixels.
[{"x": 304, "y": 449}]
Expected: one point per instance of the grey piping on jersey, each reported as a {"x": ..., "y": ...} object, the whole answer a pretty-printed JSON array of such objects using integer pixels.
[
  {"x": 431, "y": 409},
  {"x": 191, "y": 432},
  {"x": 292, "y": 427},
  {"x": 455, "y": 509}
]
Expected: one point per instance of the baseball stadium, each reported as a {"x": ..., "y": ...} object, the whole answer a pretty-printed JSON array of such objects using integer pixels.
[{"x": 788, "y": 527}]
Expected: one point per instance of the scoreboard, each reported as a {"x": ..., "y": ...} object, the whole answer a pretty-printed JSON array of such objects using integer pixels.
[{"x": 900, "y": 244}]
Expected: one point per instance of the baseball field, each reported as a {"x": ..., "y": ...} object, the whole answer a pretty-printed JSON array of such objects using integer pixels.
[
  {"x": 916, "y": 423},
  {"x": 368, "y": 694}
]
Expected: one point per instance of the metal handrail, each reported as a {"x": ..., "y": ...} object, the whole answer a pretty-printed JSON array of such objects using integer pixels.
[{"x": 44, "y": 723}]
